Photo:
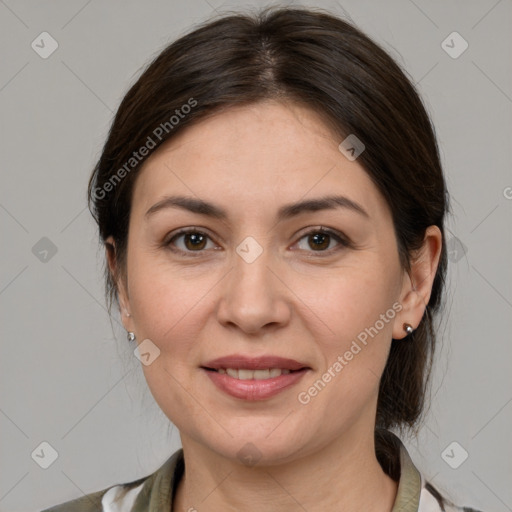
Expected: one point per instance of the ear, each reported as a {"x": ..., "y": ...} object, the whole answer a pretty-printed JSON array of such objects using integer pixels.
[
  {"x": 113, "y": 265},
  {"x": 417, "y": 283}
]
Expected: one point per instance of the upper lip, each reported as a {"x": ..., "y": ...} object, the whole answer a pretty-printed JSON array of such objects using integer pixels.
[{"x": 254, "y": 363}]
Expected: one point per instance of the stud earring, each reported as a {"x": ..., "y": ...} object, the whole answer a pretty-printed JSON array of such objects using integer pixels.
[
  {"x": 131, "y": 336},
  {"x": 408, "y": 329}
]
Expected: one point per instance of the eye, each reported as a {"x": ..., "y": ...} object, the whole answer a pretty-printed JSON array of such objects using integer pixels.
[
  {"x": 320, "y": 240},
  {"x": 189, "y": 240}
]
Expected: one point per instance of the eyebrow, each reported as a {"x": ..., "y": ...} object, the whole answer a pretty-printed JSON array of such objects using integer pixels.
[{"x": 288, "y": 211}]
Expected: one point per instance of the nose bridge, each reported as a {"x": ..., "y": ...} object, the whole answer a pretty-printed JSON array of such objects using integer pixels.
[
  {"x": 253, "y": 297},
  {"x": 251, "y": 276}
]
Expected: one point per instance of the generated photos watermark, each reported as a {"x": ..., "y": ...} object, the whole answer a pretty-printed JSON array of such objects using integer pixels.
[
  {"x": 137, "y": 156},
  {"x": 304, "y": 397}
]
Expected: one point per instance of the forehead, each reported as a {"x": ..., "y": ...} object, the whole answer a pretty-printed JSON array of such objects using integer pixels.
[{"x": 268, "y": 153}]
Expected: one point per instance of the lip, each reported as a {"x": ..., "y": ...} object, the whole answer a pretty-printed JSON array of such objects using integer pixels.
[
  {"x": 254, "y": 389},
  {"x": 255, "y": 363}
]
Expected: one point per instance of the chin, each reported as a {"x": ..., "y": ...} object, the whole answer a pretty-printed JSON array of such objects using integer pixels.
[{"x": 254, "y": 446}]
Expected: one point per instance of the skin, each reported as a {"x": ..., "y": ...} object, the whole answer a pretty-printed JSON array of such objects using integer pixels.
[{"x": 292, "y": 301}]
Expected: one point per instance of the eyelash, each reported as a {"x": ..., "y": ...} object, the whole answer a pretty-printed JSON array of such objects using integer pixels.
[{"x": 341, "y": 239}]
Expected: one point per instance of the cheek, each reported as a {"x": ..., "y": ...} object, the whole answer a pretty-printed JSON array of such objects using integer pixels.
[
  {"x": 352, "y": 300},
  {"x": 166, "y": 308},
  {"x": 164, "y": 303},
  {"x": 357, "y": 315}
]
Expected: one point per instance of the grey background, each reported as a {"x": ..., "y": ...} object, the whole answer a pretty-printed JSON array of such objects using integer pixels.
[{"x": 68, "y": 379}]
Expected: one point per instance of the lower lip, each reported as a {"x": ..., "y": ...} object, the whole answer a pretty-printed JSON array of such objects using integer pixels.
[{"x": 253, "y": 389}]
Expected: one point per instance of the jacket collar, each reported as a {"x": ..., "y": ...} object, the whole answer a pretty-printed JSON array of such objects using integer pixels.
[{"x": 409, "y": 485}]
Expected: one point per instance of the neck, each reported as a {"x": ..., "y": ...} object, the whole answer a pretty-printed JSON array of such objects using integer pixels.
[{"x": 344, "y": 475}]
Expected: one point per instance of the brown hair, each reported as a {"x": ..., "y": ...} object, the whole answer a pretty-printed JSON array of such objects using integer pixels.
[{"x": 311, "y": 57}]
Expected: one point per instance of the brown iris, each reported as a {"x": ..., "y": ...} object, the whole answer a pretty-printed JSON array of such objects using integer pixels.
[
  {"x": 195, "y": 241},
  {"x": 321, "y": 240}
]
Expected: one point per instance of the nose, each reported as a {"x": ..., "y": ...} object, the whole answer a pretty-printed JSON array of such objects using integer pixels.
[{"x": 254, "y": 298}]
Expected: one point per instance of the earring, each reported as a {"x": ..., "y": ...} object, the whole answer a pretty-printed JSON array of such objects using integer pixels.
[
  {"x": 131, "y": 336},
  {"x": 408, "y": 329}
]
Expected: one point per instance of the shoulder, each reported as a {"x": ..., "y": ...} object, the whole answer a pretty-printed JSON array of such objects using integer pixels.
[
  {"x": 87, "y": 503},
  {"x": 117, "y": 498},
  {"x": 135, "y": 495},
  {"x": 431, "y": 500},
  {"x": 415, "y": 493}
]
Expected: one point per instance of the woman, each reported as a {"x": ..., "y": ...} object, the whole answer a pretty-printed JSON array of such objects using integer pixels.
[{"x": 271, "y": 201}]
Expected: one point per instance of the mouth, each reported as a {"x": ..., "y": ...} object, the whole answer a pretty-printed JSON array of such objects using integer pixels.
[
  {"x": 247, "y": 377},
  {"x": 254, "y": 385}
]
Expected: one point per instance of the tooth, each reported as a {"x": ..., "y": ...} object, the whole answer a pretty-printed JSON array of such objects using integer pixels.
[
  {"x": 263, "y": 374},
  {"x": 245, "y": 374}
]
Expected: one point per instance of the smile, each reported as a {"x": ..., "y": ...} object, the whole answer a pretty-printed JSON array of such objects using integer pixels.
[
  {"x": 244, "y": 374},
  {"x": 254, "y": 384}
]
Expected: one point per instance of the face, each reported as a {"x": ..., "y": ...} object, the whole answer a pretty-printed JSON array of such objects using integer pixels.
[{"x": 321, "y": 286}]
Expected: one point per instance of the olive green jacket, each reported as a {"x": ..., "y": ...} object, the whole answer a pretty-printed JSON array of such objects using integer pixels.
[{"x": 155, "y": 492}]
